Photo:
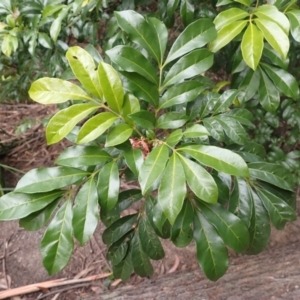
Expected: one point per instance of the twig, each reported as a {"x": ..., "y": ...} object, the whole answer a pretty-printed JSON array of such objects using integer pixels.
[
  {"x": 3, "y": 264},
  {"x": 101, "y": 254},
  {"x": 48, "y": 284}
]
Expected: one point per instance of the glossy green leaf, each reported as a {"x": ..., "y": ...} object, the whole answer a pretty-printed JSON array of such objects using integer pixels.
[
  {"x": 274, "y": 58},
  {"x": 181, "y": 93},
  {"x": 16, "y": 205},
  {"x": 244, "y": 2},
  {"x": 182, "y": 233},
  {"x": 51, "y": 9},
  {"x": 171, "y": 120},
  {"x": 161, "y": 31},
  {"x": 172, "y": 189},
  {"x": 55, "y": 29},
  {"x": 231, "y": 229},
  {"x": 95, "y": 127},
  {"x": 140, "y": 260},
  {"x": 195, "y": 131},
  {"x": 118, "y": 135},
  {"x": 78, "y": 156},
  {"x": 118, "y": 229},
  {"x": 242, "y": 115},
  {"x": 57, "y": 243},
  {"x": 48, "y": 179},
  {"x": 131, "y": 60},
  {"x": 274, "y": 35},
  {"x": 225, "y": 100},
  {"x": 130, "y": 106},
  {"x": 187, "y": 12},
  {"x": 238, "y": 63},
  {"x": 200, "y": 181},
  {"x": 222, "y": 160},
  {"x": 151, "y": 244},
  {"x": 134, "y": 160},
  {"x": 117, "y": 251},
  {"x": 271, "y": 173},
  {"x": 212, "y": 254},
  {"x": 214, "y": 128},
  {"x": 85, "y": 211},
  {"x": 279, "y": 211},
  {"x": 45, "y": 40},
  {"x": 249, "y": 84},
  {"x": 38, "y": 219},
  {"x": 63, "y": 122},
  {"x": 283, "y": 80},
  {"x": 108, "y": 186},
  {"x": 123, "y": 269},
  {"x": 207, "y": 103},
  {"x": 260, "y": 228},
  {"x": 174, "y": 138},
  {"x": 252, "y": 46},
  {"x": 240, "y": 201},
  {"x": 196, "y": 35},
  {"x": 229, "y": 16},
  {"x": 294, "y": 17},
  {"x": 227, "y": 34},
  {"x": 153, "y": 167},
  {"x": 192, "y": 64},
  {"x": 268, "y": 93},
  {"x": 140, "y": 87},
  {"x": 271, "y": 13},
  {"x": 143, "y": 118},
  {"x": 140, "y": 32},
  {"x": 53, "y": 90},
  {"x": 84, "y": 68}
]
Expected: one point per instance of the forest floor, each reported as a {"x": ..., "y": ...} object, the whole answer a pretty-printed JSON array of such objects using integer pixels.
[{"x": 20, "y": 259}]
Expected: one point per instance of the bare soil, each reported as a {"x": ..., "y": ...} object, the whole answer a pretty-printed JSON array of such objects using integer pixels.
[{"x": 20, "y": 259}]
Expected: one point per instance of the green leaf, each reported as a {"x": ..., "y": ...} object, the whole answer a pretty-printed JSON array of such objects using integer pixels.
[
  {"x": 244, "y": 2},
  {"x": 171, "y": 120},
  {"x": 151, "y": 244},
  {"x": 182, "y": 233},
  {"x": 48, "y": 179},
  {"x": 79, "y": 156},
  {"x": 187, "y": 10},
  {"x": 38, "y": 219},
  {"x": 274, "y": 35},
  {"x": 108, "y": 186},
  {"x": 174, "y": 138},
  {"x": 118, "y": 250},
  {"x": 55, "y": 29},
  {"x": 195, "y": 131},
  {"x": 274, "y": 58},
  {"x": 271, "y": 13},
  {"x": 16, "y": 205},
  {"x": 232, "y": 230},
  {"x": 240, "y": 201},
  {"x": 227, "y": 34},
  {"x": 196, "y": 35},
  {"x": 222, "y": 160},
  {"x": 283, "y": 81},
  {"x": 130, "y": 106},
  {"x": 63, "y": 122},
  {"x": 211, "y": 251},
  {"x": 140, "y": 261},
  {"x": 215, "y": 129},
  {"x": 259, "y": 228},
  {"x": 229, "y": 16},
  {"x": 131, "y": 60},
  {"x": 181, "y": 93},
  {"x": 140, "y": 32},
  {"x": 140, "y": 87},
  {"x": 45, "y": 40},
  {"x": 192, "y": 64},
  {"x": 95, "y": 127},
  {"x": 200, "y": 181},
  {"x": 51, "y": 9},
  {"x": 85, "y": 211},
  {"x": 271, "y": 173},
  {"x": 152, "y": 167},
  {"x": 57, "y": 243},
  {"x": 172, "y": 189},
  {"x": 252, "y": 46},
  {"x": 118, "y": 135},
  {"x": 161, "y": 31},
  {"x": 118, "y": 229},
  {"x": 124, "y": 269},
  {"x": 249, "y": 84},
  {"x": 279, "y": 211},
  {"x": 268, "y": 93},
  {"x": 53, "y": 90},
  {"x": 225, "y": 100},
  {"x": 143, "y": 118},
  {"x": 134, "y": 160},
  {"x": 294, "y": 17},
  {"x": 83, "y": 67},
  {"x": 111, "y": 86},
  {"x": 242, "y": 115}
]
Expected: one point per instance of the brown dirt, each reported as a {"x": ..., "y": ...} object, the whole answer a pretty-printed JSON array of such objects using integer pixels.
[{"x": 20, "y": 259}]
